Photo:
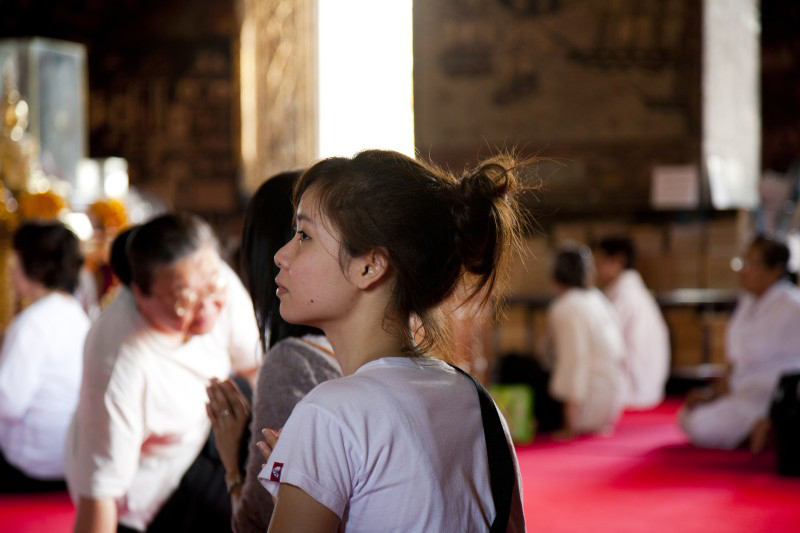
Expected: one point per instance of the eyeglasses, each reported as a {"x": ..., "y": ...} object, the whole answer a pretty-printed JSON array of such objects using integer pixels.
[{"x": 186, "y": 300}]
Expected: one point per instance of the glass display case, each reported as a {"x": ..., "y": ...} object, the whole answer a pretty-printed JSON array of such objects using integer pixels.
[{"x": 50, "y": 77}]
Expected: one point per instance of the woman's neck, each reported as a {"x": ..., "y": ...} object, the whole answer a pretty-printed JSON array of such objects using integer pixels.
[
  {"x": 37, "y": 292},
  {"x": 361, "y": 341},
  {"x": 761, "y": 291}
]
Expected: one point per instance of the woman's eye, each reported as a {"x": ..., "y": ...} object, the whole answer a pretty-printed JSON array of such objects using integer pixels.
[{"x": 303, "y": 235}]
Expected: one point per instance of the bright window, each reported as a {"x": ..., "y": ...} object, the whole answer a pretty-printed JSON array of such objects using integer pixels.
[{"x": 365, "y": 92}]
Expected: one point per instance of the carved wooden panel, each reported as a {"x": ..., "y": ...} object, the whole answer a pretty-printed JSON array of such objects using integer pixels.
[
  {"x": 587, "y": 81},
  {"x": 277, "y": 81}
]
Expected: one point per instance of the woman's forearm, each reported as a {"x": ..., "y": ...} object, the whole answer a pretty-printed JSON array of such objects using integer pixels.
[{"x": 96, "y": 516}]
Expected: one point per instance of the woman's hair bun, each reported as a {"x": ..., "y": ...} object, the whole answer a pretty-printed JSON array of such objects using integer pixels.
[{"x": 484, "y": 199}]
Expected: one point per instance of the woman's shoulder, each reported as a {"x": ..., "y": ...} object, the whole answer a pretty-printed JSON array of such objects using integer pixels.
[
  {"x": 386, "y": 378},
  {"x": 789, "y": 293},
  {"x": 67, "y": 310},
  {"x": 292, "y": 363},
  {"x": 39, "y": 318},
  {"x": 572, "y": 299},
  {"x": 294, "y": 351},
  {"x": 348, "y": 394},
  {"x": 118, "y": 337}
]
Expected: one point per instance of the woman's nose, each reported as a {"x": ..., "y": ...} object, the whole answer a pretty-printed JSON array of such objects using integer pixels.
[{"x": 280, "y": 256}]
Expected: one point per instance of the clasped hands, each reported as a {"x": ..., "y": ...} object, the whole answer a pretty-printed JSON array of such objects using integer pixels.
[{"x": 229, "y": 412}]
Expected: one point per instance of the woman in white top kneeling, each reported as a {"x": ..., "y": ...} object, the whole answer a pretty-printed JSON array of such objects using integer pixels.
[
  {"x": 41, "y": 358},
  {"x": 587, "y": 348},
  {"x": 762, "y": 343}
]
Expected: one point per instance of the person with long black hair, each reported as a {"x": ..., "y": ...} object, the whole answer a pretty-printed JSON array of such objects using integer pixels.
[{"x": 298, "y": 357}]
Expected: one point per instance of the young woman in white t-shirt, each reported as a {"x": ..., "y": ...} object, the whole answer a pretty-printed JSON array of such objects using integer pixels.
[{"x": 397, "y": 444}]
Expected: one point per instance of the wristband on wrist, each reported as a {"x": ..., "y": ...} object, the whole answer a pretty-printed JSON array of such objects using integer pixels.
[{"x": 232, "y": 483}]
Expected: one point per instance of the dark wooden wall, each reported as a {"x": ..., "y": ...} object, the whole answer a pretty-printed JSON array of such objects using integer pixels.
[
  {"x": 162, "y": 90},
  {"x": 780, "y": 84}
]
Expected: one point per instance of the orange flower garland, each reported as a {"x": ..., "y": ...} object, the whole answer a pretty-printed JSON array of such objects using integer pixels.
[
  {"x": 42, "y": 206},
  {"x": 108, "y": 215}
]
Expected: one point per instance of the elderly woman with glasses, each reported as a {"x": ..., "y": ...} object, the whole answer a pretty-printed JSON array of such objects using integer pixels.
[
  {"x": 762, "y": 343},
  {"x": 138, "y": 454}
]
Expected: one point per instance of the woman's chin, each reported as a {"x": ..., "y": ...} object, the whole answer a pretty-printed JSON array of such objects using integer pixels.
[{"x": 201, "y": 327}]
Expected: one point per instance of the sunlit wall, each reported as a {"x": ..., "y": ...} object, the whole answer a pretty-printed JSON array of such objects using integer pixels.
[{"x": 365, "y": 84}]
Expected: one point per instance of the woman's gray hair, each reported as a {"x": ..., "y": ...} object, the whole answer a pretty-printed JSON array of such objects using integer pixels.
[{"x": 164, "y": 240}]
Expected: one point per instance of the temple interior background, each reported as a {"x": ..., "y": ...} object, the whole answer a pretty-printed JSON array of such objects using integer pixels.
[{"x": 670, "y": 121}]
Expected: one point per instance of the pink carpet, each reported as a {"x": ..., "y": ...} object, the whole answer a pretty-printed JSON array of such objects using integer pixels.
[
  {"x": 646, "y": 478},
  {"x": 36, "y": 513}
]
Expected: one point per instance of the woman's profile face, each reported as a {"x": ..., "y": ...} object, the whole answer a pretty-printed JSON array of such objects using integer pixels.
[
  {"x": 312, "y": 288},
  {"x": 607, "y": 268},
  {"x": 755, "y": 276},
  {"x": 186, "y": 296}
]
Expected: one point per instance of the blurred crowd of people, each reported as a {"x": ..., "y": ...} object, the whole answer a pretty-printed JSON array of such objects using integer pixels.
[{"x": 159, "y": 413}]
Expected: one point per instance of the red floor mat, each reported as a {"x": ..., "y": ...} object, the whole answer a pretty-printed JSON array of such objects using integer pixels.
[
  {"x": 36, "y": 513},
  {"x": 647, "y": 479},
  {"x": 644, "y": 479}
]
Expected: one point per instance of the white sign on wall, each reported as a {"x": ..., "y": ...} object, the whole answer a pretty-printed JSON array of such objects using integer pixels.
[{"x": 675, "y": 187}]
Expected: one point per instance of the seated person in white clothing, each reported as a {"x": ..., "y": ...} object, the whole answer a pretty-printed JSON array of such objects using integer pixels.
[
  {"x": 138, "y": 453},
  {"x": 586, "y": 348},
  {"x": 41, "y": 358},
  {"x": 762, "y": 343},
  {"x": 643, "y": 327}
]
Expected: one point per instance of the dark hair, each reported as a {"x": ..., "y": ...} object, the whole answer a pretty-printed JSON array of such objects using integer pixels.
[
  {"x": 774, "y": 254},
  {"x": 621, "y": 247},
  {"x": 438, "y": 229},
  {"x": 118, "y": 256},
  {"x": 571, "y": 266},
  {"x": 50, "y": 254},
  {"x": 268, "y": 226},
  {"x": 162, "y": 241}
]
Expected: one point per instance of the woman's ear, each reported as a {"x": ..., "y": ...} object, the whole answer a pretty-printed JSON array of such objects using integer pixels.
[
  {"x": 138, "y": 296},
  {"x": 370, "y": 269}
]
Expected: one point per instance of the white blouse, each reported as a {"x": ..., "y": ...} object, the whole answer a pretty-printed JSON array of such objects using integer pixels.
[{"x": 40, "y": 378}]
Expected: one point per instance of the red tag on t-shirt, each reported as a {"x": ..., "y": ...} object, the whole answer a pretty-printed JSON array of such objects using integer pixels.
[{"x": 276, "y": 472}]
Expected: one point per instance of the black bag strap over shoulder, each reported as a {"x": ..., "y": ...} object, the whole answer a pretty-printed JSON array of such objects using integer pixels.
[{"x": 501, "y": 464}]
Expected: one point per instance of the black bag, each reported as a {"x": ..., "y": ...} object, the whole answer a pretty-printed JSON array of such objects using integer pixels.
[{"x": 785, "y": 415}]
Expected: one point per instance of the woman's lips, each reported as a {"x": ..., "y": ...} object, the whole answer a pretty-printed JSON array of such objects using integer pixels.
[{"x": 280, "y": 290}]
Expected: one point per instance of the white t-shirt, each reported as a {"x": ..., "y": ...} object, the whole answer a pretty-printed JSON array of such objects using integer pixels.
[
  {"x": 397, "y": 446},
  {"x": 141, "y": 420},
  {"x": 40, "y": 376},
  {"x": 646, "y": 340},
  {"x": 589, "y": 349}
]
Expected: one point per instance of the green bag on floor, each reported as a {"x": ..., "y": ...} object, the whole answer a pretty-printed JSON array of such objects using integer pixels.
[{"x": 516, "y": 403}]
